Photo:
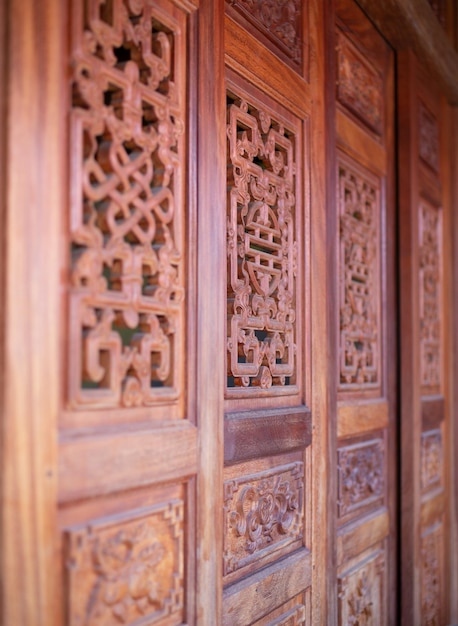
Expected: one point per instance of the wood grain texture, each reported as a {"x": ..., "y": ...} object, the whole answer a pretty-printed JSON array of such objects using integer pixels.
[
  {"x": 324, "y": 337},
  {"x": 410, "y": 408},
  {"x": 432, "y": 412},
  {"x": 211, "y": 307},
  {"x": 264, "y": 591},
  {"x": 97, "y": 464},
  {"x": 35, "y": 71},
  {"x": 252, "y": 434},
  {"x": 411, "y": 24},
  {"x": 353, "y": 140},
  {"x": 354, "y": 418},
  {"x": 357, "y": 536},
  {"x": 246, "y": 55}
]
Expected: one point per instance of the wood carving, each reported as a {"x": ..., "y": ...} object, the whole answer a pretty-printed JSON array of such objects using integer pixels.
[
  {"x": 263, "y": 514},
  {"x": 428, "y": 137},
  {"x": 362, "y": 593},
  {"x": 127, "y": 570},
  {"x": 431, "y": 591},
  {"x": 359, "y": 208},
  {"x": 127, "y": 274},
  {"x": 361, "y": 471},
  {"x": 261, "y": 250},
  {"x": 279, "y": 20},
  {"x": 359, "y": 85},
  {"x": 430, "y": 221},
  {"x": 431, "y": 459}
]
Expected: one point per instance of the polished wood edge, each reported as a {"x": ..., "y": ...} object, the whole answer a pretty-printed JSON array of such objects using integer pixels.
[
  {"x": 265, "y": 70},
  {"x": 255, "y": 434},
  {"x": 432, "y": 412},
  {"x": 354, "y": 140},
  {"x": 289, "y": 577},
  {"x": 432, "y": 508},
  {"x": 105, "y": 463},
  {"x": 187, "y": 5},
  {"x": 412, "y": 23},
  {"x": 355, "y": 418},
  {"x": 361, "y": 534}
]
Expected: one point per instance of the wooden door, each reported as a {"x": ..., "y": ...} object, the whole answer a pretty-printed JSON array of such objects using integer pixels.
[
  {"x": 121, "y": 511},
  {"x": 274, "y": 321},
  {"x": 425, "y": 231},
  {"x": 365, "y": 316}
]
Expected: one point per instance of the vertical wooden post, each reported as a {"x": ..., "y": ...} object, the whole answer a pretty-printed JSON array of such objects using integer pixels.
[
  {"x": 211, "y": 268},
  {"x": 324, "y": 597},
  {"x": 34, "y": 205},
  {"x": 410, "y": 410}
]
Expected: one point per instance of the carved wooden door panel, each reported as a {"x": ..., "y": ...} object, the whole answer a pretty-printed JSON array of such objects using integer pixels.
[
  {"x": 270, "y": 487},
  {"x": 424, "y": 233},
  {"x": 128, "y": 444},
  {"x": 366, "y": 370}
]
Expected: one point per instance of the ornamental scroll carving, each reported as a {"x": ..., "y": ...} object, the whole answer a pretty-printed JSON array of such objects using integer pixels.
[
  {"x": 262, "y": 250},
  {"x": 431, "y": 592},
  {"x": 430, "y": 298},
  {"x": 127, "y": 571},
  {"x": 361, "y": 475},
  {"x": 359, "y": 85},
  {"x": 359, "y": 208},
  {"x": 127, "y": 279},
  {"x": 431, "y": 459},
  {"x": 263, "y": 514},
  {"x": 279, "y": 20},
  {"x": 362, "y": 593},
  {"x": 428, "y": 138}
]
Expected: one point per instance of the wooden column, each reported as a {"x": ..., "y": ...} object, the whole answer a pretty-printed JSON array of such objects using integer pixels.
[{"x": 31, "y": 231}]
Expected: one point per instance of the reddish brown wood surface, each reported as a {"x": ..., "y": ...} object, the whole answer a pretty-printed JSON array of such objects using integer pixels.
[{"x": 198, "y": 362}]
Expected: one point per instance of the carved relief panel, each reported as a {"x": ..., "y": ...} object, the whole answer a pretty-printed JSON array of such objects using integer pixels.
[
  {"x": 127, "y": 569},
  {"x": 431, "y": 459},
  {"x": 359, "y": 278},
  {"x": 280, "y": 23},
  {"x": 428, "y": 137},
  {"x": 126, "y": 223},
  {"x": 263, "y": 514},
  {"x": 431, "y": 576},
  {"x": 262, "y": 248},
  {"x": 361, "y": 476},
  {"x": 359, "y": 85},
  {"x": 362, "y": 595},
  {"x": 430, "y": 276}
]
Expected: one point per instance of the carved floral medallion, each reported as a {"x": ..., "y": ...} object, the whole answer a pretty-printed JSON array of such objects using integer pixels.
[
  {"x": 263, "y": 514},
  {"x": 430, "y": 277},
  {"x": 262, "y": 250},
  {"x": 127, "y": 278},
  {"x": 127, "y": 570},
  {"x": 360, "y": 281},
  {"x": 361, "y": 471}
]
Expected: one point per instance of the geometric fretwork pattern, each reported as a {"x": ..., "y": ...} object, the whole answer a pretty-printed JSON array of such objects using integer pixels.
[
  {"x": 359, "y": 209},
  {"x": 127, "y": 279},
  {"x": 261, "y": 299},
  {"x": 430, "y": 298}
]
